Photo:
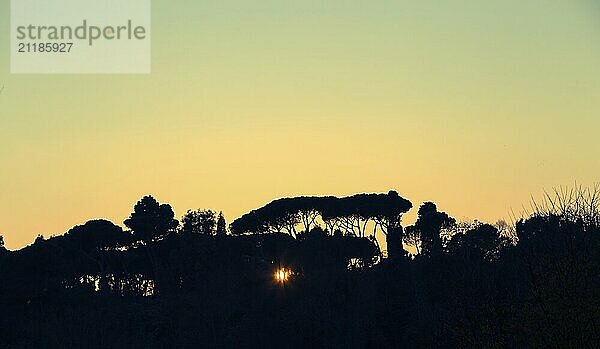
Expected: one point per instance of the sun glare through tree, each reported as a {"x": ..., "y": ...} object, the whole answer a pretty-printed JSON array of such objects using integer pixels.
[{"x": 282, "y": 275}]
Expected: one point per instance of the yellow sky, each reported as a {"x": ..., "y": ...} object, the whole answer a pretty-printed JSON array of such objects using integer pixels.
[{"x": 474, "y": 106}]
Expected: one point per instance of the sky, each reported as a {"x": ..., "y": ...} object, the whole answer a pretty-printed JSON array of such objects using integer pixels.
[{"x": 475, "y": 105}]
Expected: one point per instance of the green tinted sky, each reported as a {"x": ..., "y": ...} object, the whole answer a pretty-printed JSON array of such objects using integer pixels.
[{"x": 473, "y": 104}]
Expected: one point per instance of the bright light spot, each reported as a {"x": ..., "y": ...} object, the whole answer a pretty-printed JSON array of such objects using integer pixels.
[{"x": 282, "y": 275}]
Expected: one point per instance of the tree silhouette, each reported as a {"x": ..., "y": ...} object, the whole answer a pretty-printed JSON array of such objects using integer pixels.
[
  {"x": 151, "y": 220},
  {"x": 199, "y": 222},
  {"x": 39, "y": 239},
  {"x": 412, "y": 237},
  {"x": 388, "y": 216},
  {"x": 97, "y": 235},
  {"x": 428, "y": 227},
  {"x": 482, "y": 242},
  {"x": 2, "y": 248},
  {"x": 93, "y": 242},
  {"x": 470, "y": 285},
  {"x": 351, "y": 214},
  {"x": 221, "y": 225}
]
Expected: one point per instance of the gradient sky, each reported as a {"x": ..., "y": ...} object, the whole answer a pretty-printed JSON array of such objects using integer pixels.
[{"x": 476, "y": 105}]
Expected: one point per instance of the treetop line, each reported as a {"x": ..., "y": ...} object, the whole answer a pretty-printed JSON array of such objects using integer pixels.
[
  {"x": 346, "y": 216},
  {"x": 304, "y": 271}
]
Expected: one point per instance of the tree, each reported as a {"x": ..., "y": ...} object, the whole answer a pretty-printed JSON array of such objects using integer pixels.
[
  {"x": 199, "y": 222},
  {"x": 428, "y": 227},
  {"x": 349, "y": 214},
  {"x": 274, "y": 217},
  {"x": 1, "y": 241},
  {"x": 560, "y": 255},
  {"x": 250, "y": 222},
  {"x": 151, "y": 220},
  {"x": 412, "y": 237},
  {"x": 39, "y": 239},
  {"x": 481, "y": 243},
  {"x": 97, "y": 235},
  {"x": 388, "y": 216},
  {"x": 221, "y": 225},
  {"x": 93, "y": 241}
]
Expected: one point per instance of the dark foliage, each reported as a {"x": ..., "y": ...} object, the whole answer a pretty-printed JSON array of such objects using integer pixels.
[
  {"x": 151, "y": 220},
  {"x": 98, "y": 286},
  {"x": 199, "y": 222}
]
